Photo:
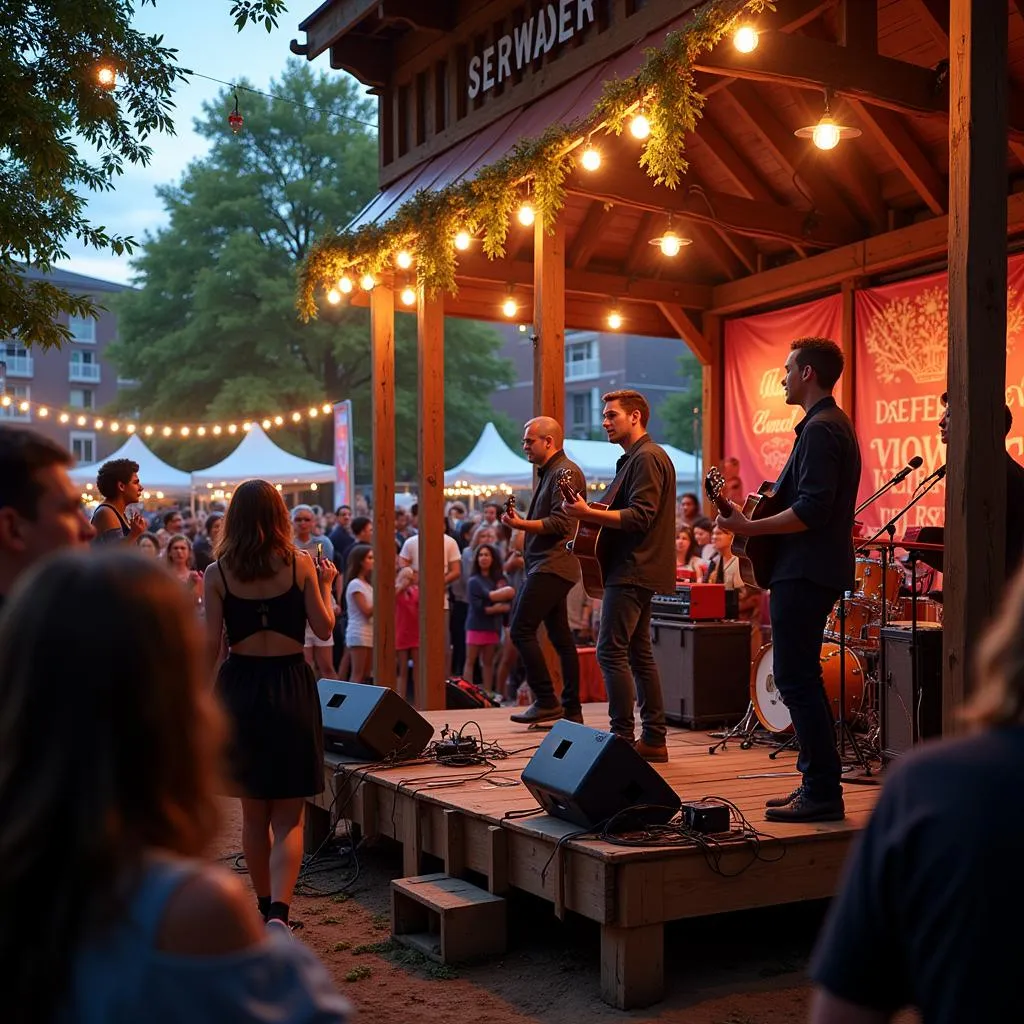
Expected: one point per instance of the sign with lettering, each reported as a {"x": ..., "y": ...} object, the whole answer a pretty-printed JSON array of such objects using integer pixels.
[{"x": 553, "y": 25}]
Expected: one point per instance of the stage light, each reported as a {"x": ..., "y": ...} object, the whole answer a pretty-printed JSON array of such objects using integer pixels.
[{"x": 746, "y": 39}]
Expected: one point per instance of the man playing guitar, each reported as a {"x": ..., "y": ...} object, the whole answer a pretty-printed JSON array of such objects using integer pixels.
[
  {"x": 639, "y": 553},
  {"x": 551, "y": 572},
  {"x": 813, "y": 564}
]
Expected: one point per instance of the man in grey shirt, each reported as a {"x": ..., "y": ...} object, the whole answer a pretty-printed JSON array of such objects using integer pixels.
[
  {"x": 551, "y": 572},
  {"x": 319, "y": 653}
]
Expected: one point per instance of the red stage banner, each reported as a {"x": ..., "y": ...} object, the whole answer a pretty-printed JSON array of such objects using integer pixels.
[
  {"x": 901, "y": 344},
  {"x": 758, "y": 423}
]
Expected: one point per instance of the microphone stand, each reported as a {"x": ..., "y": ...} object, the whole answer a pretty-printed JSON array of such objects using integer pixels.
[
  {"x": 898, "y": 478},
  {"x": 890, "y": 529}
]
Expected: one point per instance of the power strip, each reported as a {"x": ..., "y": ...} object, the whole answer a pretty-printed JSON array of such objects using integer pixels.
[{"x": 456, "y": 747}]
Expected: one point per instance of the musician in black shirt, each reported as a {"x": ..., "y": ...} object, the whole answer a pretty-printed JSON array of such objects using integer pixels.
[{"x": 814, "y": 563}]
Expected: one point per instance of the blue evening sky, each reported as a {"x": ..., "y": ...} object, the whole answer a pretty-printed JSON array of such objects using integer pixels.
[{"x": 207, "y": 42}]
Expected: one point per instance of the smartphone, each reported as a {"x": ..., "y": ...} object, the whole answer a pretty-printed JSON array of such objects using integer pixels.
[{"x": 319, "y": 553}]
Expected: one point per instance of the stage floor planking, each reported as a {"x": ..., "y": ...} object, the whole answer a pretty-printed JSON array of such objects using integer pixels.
[{"x": 452, "y": 815}]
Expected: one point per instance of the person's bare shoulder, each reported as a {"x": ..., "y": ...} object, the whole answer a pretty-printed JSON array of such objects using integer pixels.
[{"x": 211, "y": 914}]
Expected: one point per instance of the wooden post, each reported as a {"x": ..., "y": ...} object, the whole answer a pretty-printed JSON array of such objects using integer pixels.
[
  {"x": 433, "y": 635},
  {"x": 382, "y": 355},
  {"x": 712, "y": 403},
  {"x": 847, "y": 343},
  {"x": 549, "y": 321},
  {"x": 975, "y": 537}
]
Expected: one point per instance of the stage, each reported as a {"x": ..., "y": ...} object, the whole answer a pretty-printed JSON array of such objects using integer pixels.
[{"x": 631, "y": 892}]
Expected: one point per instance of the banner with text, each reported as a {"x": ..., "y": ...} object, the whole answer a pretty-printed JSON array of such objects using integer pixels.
[
  {"x": 343, "y": 453},
  {"x": 901, "y": 347},
  {"x": 758, "y": 423}
]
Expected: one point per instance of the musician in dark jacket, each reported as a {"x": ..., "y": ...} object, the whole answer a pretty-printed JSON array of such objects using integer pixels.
[
  {"x": 815, "y": 496},
  {"x": 551, "y": 572},
  {"x": 638, "y": 532}
]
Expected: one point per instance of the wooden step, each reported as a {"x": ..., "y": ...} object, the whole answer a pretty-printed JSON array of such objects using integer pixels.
[{"x": 447, "y": 919}]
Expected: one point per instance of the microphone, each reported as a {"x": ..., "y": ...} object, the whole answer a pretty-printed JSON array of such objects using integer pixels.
[
  {"x": 915, "y": 463},
  {"x": 937, "y": 475}
]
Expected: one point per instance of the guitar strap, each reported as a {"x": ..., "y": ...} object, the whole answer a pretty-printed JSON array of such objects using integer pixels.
[{"x": 613, "y": 488}]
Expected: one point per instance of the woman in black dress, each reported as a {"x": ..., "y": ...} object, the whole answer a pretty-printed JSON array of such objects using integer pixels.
[{"x": 262, "y": 590}]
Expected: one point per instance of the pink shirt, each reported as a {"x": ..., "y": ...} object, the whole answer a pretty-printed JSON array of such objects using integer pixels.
[{"x": 407, "y": 619}]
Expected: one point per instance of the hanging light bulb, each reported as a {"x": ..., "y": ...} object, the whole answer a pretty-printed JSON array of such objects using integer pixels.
[
  {"x": 591, "y": 158},
  {"x": 827, "y": 133},
  {"x": 366, "y": 282},
  {"x": 106, "y": 76},
  {"x": 148, "y": 431},
  {"x": 266, "y": 424},
  {"x": 614, "y": 319},
  {"x": 64, "y": 417},
  {"x": 296, "y": 416},
  {"x": 129, "y": 428},
  {"x": 185, "y": 431},
  {"x": 640, "y": 127},
  {"x": 670, "y": 242},
  {"x": 43, "y": 411},
  {"x": 403, "y": 260},
  {"x": 232, "y": 429},
  {"x": 313, "y": 412},
  {"x": 167, "y": 431},
  {"x": 526, "y": 214},
  {"x": 278, "y": 421},
  {"x": 746, "y": 39},
  {"x": 509, "y": 307},
  {"x": 115, "y": 426},
  {"x": 326, "y": 408},
  {"x": 235, "y": 119},
  {"x": 462, "y": 240},
  {"x": 408, "y": 296},
  {"x": 345, "y": 284},
  {"x": 201, "y": 431},
  {"x": 334, "y": 296}
]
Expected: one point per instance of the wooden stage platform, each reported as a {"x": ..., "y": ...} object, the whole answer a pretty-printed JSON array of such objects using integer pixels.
[{"x": 630, "y": 892}]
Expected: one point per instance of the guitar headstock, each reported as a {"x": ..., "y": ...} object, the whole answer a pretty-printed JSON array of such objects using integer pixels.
[
  {"x": 510, "y": 504},
  {"x": 564, "y": 482},
  {"x": 714, "y": 487}
]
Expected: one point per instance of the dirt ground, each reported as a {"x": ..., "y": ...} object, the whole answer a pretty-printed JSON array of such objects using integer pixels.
[{"x": 743, "y": 968}]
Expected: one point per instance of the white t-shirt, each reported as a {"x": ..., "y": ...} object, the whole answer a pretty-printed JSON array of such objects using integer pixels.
[
  {"x": 411, "y": 553},
  {"x": 359, "y": 631}
]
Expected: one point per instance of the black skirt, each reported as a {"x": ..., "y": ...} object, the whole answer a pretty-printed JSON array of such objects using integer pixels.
[{"x": 276, "y": 749}]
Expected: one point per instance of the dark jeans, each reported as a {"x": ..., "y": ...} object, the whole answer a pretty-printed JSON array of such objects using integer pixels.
[
  {"x": 457, "y": 635},
  {"x": 627, "y": 663},
  {"x": 799, "y": 612},
  {"x": 542, "y": 600}
]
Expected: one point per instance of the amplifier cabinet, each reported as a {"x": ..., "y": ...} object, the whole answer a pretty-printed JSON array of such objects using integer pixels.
[
  {"x": 704, "y": 668},
  {"x": 909, "y": 715}
]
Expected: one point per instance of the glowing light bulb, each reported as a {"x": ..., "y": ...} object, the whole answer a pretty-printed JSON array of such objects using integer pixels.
[
  {"x": 64, "y": 417},
  {"x": 201, "y": 431},
  {"x": 296, "y": 416},
  {"x": 334, "y": 296},
  {"x": 826, "y": 134},
  {"x": 5, "y": 401},
  {"x": 345, "y": 284},
  {"x": 509, "y": 307},
  {"x": 746, "y": 39},
  {"x": 526, "y": 215},
  {"x": 129, "y": 428},
  {"x": 115, "y": 426},
  {"x": 167, "y": 431},
  {"x": 614, "y": 319},
  {"x": 232, "y": 428},
  {"x": 81, "y": 421},
  {"x": 591, "y": 159},
  {"x": 217, "y": 430},
  {"x": 148, "y": 431},
  {"x": 640, "y": 127},
  {"x": 462, "y": 241},
  {"x": 43, "y": 411},
  {"x": 408, "y": 296},
  {"x": 278, "y": 420},
  {"x": 404, "y": 260},
  {"x": 106, "y": 75},
  {"x": 326, "y": 408},
  {"x": 23, "y": 407},
  {"x": 185, "y": 431},
  {"x": 266, "y": 424},
  {"x": 670, "y": 244},
  {"x": 313, "y": 487},
  {"x": 313, "y": 411},
  {"x": 98, "y": 425},
  {"x": 366, "y": 282}
]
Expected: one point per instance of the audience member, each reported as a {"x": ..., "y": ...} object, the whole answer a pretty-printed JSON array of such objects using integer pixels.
[
  {"x": 148, "y": 544},
  {"x": 359, "y": 607},
  {"x": 205, "y": 547},
  {"x": 319, "y": 653},
  {"x": 702, "y": 535},
  {"x": 689, "y": 509},
  {"x": 489, "y": 598},
  {"x": 410, "y": 555},
  {"x": 173, "y": 524},
  {"x": 178, "y": 558},
  {"x": 118, "y": 482},
  {"x": 407, "y": 628}
]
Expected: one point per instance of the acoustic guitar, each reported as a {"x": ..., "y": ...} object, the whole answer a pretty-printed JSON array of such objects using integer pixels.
[
  {"x": 587, "y": 544},
  {"x": 756, "y": 554}
]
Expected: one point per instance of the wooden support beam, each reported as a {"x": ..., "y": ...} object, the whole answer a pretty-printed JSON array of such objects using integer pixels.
[
  {"x": 797, "y": 156},
  {"x": 858, "y": 26},
  {"x": 382, "y": 381},
  {"x": 594, "y": 222},
  {"x": 639, "y": 251},
  {"x": 848, "y": 330},
  {"x": 366, "y": 58},
  {"x": 713, "y": 391},
  {"x": 629, "y": 185},
  {"x": 733, "y": 254},
  {"x": 974, "y": 573},
  {"x": 632, "y": 965},
  {"x": 549, "y": 320},
  {"x": 743, "y": 176},
  {"x": 897, "y": 250},
  {"x": 435, "y": 17},
  {"x": 502, "y": 273},
  {"x": 892, "y": 135},
  {"x": 690, "y": 329},
  {"x": 934, "y": 16},
  {"x": 430, "y": 694}
]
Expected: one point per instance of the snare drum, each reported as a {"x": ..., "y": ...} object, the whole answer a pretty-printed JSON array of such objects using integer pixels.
[
  {"x": 927, "y": 610},
  {"x": 869, "y": 585},
  {"x": 859, "y": 615},
  {"x": 769, "y": 707}
]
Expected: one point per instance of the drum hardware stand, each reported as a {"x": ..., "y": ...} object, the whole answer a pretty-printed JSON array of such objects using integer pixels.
[
  {"x": 845, "y": 732},
  {"x": 745, "y": 727}
]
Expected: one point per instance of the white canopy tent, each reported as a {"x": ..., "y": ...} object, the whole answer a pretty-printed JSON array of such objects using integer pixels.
[
  {"x": 491, "y": 462},
  {"x": 257, "y": 457},
  {"x": 597, "y": 460},
  {"x": 154, "y": 473}
]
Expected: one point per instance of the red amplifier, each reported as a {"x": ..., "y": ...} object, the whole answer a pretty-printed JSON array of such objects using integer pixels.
[{"x": 693, "y": 602}]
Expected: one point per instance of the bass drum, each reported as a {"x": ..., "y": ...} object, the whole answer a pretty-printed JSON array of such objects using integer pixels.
[{"x": 769, "y": 706}]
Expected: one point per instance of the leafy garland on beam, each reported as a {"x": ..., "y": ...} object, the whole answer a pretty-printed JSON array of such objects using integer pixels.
[{"x": 665, "y": 86}]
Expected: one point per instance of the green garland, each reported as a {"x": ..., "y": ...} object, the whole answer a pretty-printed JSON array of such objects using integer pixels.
[{"x": 426, "y": 225}]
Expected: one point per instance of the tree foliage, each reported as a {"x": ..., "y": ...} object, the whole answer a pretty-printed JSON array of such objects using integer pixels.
[
  {"x": 211, "y": 331},
  {"x": 682, "y": 411},
  {"x": 63, "y": 135}
]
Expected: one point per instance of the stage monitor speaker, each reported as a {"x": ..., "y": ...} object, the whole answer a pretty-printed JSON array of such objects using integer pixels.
[
  {"x": 909, "y": 715},
  {"x": 586, "y": 776},
  {"x": 371, "y": 723}
]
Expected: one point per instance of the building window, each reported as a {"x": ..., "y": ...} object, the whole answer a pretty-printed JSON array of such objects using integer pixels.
[
  {"x": 83, "y": 329},
  {"x": 81, "y": 398},
  {"x": 17, "y": 393},
  {"x": 582, "y": 359},
  {"x": 83, "y": 446},
  {"x": 581, "y": 412},
  {"x": 84, "y": 367},
  {"x": 18, "y": 363}
]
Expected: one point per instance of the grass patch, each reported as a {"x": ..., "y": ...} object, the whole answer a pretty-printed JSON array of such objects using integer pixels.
[
  {"x": 342, "y": 897},
  {"x": 375, "y": 947},
  {"x": 340, "y": 947},
  {"x": 330, "y": 920},
  {"x": 360, "y": 972},
  {"x": 381, "y": 921}
]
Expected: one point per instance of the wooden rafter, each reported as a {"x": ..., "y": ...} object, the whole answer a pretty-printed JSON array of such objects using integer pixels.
[
  {"x": 891, "y": 134},
  {"x": 792, "y": 153},
  {"x": 707, "y": 241},
  {"x": 629, "y": 186},
  {"x": 744, "y": 177},
  {"x": 367, "y": 58},
  {"x": 639, "y": 248},
  {"x": 594, "y": 221},
  {"x": 934, "y": 15},
  {"x": 435, "y": 16},
  {"x": 689, "y": 328},
  {"x": 858, "y": 25}
]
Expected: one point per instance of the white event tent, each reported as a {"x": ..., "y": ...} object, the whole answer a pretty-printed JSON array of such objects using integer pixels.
[
  {"x": 491, "y": 462},
  {"x": 258, "y": 457},
  {"x": 154, "y": 473},
  {"x": 597, "y": 460}
]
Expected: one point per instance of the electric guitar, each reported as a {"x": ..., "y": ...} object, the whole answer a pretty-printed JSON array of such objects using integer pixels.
[
  {"x": 756, "y": 554},
  {"x": 587, "y": 545}
]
